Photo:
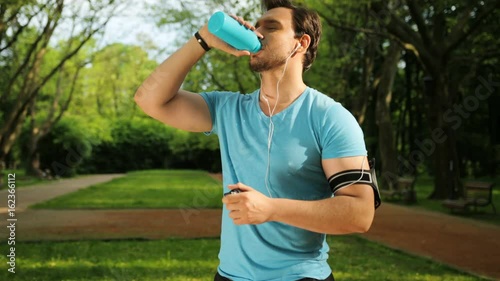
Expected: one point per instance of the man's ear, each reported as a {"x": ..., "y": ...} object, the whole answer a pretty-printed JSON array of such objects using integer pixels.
[{"x": 305, "y": 41}]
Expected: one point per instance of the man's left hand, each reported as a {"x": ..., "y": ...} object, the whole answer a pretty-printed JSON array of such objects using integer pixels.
[{"x": 249, "y": 206}]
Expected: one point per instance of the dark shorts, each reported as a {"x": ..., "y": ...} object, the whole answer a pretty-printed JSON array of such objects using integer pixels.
[{"x": 221, "y": 278}]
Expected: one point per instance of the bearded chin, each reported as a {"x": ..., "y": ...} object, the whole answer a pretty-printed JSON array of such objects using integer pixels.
[{"x": 265, "y": 65}]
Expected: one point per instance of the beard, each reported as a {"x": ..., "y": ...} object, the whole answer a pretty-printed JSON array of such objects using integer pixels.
[{"x": 267, "y": 63}]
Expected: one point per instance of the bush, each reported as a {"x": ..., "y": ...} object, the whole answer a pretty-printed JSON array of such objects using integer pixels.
[
  {"x": 65, "y": 148},
  {"x": 144, "y": 143},
  {"x": 86, "y": 145},
  {"x": 195, "y": 151},
  {"x": 135, "y": 144}
]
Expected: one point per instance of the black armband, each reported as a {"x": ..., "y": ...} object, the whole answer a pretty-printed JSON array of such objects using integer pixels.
[{"x": 349, "y": 177}]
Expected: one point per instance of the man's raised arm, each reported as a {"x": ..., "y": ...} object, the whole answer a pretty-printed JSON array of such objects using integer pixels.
[{"x": 160, "y": 95}]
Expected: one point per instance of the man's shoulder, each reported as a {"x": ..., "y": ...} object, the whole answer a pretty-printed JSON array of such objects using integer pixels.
[
  {"x": 324, "y": 108},
  {"x": 228, "y": 95},
  {"x": 321, "y": 101}
]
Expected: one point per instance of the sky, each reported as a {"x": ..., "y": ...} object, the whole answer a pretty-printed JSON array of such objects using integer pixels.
[
  {"x": 132, "y": 22},
  {"x": 127, "y": 25},
  {"x": 125, "y": 29}
]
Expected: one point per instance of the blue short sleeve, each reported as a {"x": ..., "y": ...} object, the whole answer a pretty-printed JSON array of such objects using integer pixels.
[
  {"x": 341, "y": 135},
  {"x": 212, "y": 99}
]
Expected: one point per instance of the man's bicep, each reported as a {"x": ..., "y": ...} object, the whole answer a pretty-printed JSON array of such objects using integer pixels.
[
  {"x": 186, "y": 111},
  {"x": 333, "y": 166}
]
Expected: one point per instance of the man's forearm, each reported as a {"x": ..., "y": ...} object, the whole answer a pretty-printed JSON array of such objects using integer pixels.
[
  {"x": 164, "y": 83},
  {"x": 337, "y": 215}
]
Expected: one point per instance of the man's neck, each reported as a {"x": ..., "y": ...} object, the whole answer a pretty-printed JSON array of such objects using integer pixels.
[{"x": 290, "y": 87}]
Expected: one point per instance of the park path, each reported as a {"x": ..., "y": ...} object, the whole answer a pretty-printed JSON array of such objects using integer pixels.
[
  {"x": 26, "y": 196},
  {"x": 462, "y": 243}
]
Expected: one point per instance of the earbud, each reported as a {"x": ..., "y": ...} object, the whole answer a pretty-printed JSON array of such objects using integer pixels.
[{"x": 296, "y": 48}]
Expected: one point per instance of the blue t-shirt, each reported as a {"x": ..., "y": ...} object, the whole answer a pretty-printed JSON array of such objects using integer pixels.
[{"x": 312, "y": 128}]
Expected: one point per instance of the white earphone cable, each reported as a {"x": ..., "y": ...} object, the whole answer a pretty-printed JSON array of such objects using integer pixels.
[
  {"x": 354, "y": 182},
  {"x": 271, "y": 123}
]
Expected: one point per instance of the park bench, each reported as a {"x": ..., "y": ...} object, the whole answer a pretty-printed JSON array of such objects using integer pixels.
[
  {"x": 476, "y": 194},
  {"x": 402, "y": 189}
]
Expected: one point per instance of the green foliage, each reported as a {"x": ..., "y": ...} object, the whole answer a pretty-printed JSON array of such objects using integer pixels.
[
  {"x": 135, "y": 142},
  {"x": 67, "y": 145},
  {"x": 146, "y": 189},
  {"x": 139, "y": 143},
  {"x": 145, "y": 143},
  {"x": 41, "y": 45},
  {"x": 195, "y": 151},
  {"x": 112, "y": 79},
  {"x": 353, "y": 29}
]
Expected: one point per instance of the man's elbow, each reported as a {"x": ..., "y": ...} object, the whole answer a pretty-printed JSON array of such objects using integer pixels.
[
  {"x": 358, "y": 223},
  {"x": 139, "y": 97},
  {"x": 364, "y": 227},
  {"x": 364, "y": 221},
  {"x": 145, "y": 104}
]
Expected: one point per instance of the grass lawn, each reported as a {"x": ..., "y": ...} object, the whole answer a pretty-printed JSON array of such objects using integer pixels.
[
  {"x": 424, "y": 186},
  {"x": 146, "y": 189},
  {"x": 352, "y": 258},
  {"x": 183, "y": 189}
]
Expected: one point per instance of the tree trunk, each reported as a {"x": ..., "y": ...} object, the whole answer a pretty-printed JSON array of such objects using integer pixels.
[
  {"x": 2, "y": 173},
  {"x": 442, "y": 143},
  {"x": 33, "y": 164},
  {"x": 386, "y": 141},
  {"x": 38, "y": 132},
  {"x": 25, "y": 82},
  {"x": 366, "y": 86},
  {"x": 11, "y": 134}
]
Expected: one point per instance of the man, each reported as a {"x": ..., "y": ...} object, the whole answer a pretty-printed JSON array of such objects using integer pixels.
[{"x": 280, "y": 145}]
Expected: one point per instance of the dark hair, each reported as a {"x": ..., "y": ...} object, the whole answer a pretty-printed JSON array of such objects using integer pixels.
[{"x": 305, "y": 21}]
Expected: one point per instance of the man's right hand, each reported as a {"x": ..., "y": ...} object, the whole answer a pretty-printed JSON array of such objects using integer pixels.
[{"x": 214, "y": 42}]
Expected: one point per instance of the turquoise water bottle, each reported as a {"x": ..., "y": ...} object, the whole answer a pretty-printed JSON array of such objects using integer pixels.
[{"x": 232, "y": 32}]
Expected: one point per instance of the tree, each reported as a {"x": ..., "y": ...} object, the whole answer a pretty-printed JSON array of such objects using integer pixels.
[
  {"x": 48, "y": 108},
  {"x": 99, "y": 93},
  {"x": 26, "y": 30},
  {"x": 434, "y": 31},
  {"x": 386, "y": 137},
  {"x": 437, "y": 34},
  {"x": 113, "y": 76}
]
